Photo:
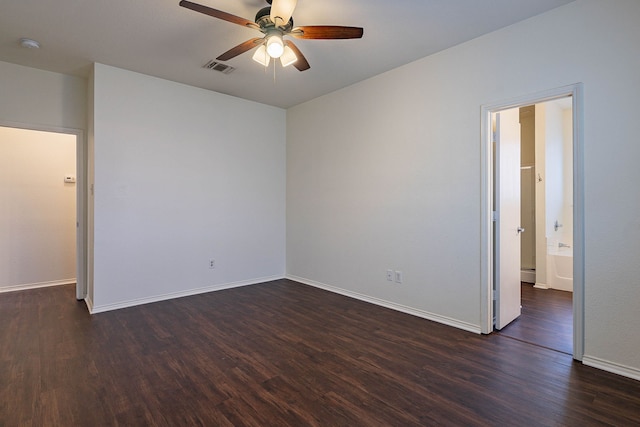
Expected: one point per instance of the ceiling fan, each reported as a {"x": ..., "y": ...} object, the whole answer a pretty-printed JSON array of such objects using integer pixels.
[{"x": 275, "y": 22}]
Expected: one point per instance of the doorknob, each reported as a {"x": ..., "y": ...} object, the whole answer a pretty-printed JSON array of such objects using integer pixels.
[{"x": 520, "y": 230}]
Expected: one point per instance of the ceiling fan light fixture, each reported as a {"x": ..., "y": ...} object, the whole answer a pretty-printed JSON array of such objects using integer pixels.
[
  {"x": 288, "y": 56},
  {"x": 261, "y": 56},
  {"x": 275, "y": 46},
  {"x": 281, "y": 11}
]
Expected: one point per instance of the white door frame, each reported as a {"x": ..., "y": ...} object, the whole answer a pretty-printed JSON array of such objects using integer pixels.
[
  {"x": 486, "y": 239},
  {"x": 81, "y": 212}
]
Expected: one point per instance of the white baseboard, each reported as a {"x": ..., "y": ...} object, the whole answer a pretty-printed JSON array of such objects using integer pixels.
[
  {"x": 89, "y": 303},
  {"x": 540, "y": 286},
  {"x": 528, "y": 276},
  {"x": 616, "y": 368},
  {"x": 392, "y": 305},
  {"x": 14, "y": 288},
  {"x": 93, "y": 309}
]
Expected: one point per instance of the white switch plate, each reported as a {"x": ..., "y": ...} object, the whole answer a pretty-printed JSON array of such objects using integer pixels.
[{"x": 398, "y": 276}]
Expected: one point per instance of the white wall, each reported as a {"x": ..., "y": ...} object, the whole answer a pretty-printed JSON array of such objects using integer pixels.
[
  {"x": 182, "y": 175},
  {"x": 41, "y": 98},
  {"x": 38, "y": 214},
  {"x": 386, "y": 173}
]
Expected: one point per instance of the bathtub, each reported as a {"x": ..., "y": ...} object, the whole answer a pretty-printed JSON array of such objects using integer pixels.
[{"x": 560, "y": 268}]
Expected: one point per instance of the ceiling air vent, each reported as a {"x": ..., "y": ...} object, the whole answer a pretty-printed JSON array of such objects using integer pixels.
[{"x": 218, "y": 66}]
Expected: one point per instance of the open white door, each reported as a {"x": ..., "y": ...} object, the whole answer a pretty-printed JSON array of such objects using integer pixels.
[{"x": 508, "y": 230}]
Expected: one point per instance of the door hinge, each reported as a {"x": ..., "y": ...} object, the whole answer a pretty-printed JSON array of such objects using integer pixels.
[{"x": 494, "y": 216}]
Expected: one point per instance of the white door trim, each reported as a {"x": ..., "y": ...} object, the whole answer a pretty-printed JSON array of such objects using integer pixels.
[
  {"x": 81, "y": 212},
  {"x": 486, "y": 168}
]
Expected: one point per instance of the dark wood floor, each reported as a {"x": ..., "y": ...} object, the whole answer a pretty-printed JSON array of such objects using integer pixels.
[
  {"x": 282, "y": 353},
  {"x": 546, "y": 319}
]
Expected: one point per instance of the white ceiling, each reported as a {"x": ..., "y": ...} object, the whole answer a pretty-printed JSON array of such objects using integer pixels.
[{"x": 159, "y": 38}]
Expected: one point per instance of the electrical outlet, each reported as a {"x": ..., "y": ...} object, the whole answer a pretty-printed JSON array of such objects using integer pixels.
[
  {"x": 390, "y": 275},
  {"x": 212, "y": 263},
  {"x": 398, "y": 276}
]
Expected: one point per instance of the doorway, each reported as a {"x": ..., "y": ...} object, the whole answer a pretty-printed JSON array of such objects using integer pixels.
[
  {"x": 493, "y": 299},
  {"x": 43, "y": 219}
]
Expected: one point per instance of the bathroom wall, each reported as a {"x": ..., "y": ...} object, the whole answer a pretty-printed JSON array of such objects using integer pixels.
[
  {"x": 554, "y": 194},
  {"x": 558, "y": 171},
  {"x": 553, "y": 174}
]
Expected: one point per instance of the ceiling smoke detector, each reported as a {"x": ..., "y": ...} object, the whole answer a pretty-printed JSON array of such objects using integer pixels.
[{"x": 29, "y": 43}]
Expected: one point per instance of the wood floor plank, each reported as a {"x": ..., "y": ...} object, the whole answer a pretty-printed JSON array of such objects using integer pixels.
[
  {"x": 279, "y": 354},
  {"x": 546, "y": 319}
]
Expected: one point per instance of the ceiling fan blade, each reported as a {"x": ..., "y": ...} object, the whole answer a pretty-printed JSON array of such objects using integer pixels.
[
  {"x": 281, "y": 11},
  {"x": 241, "y": 48},
  {"x": 326, "y": 32},
  {"x": 301, "y": 63},
  {"x": 218, "y": 14}
]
